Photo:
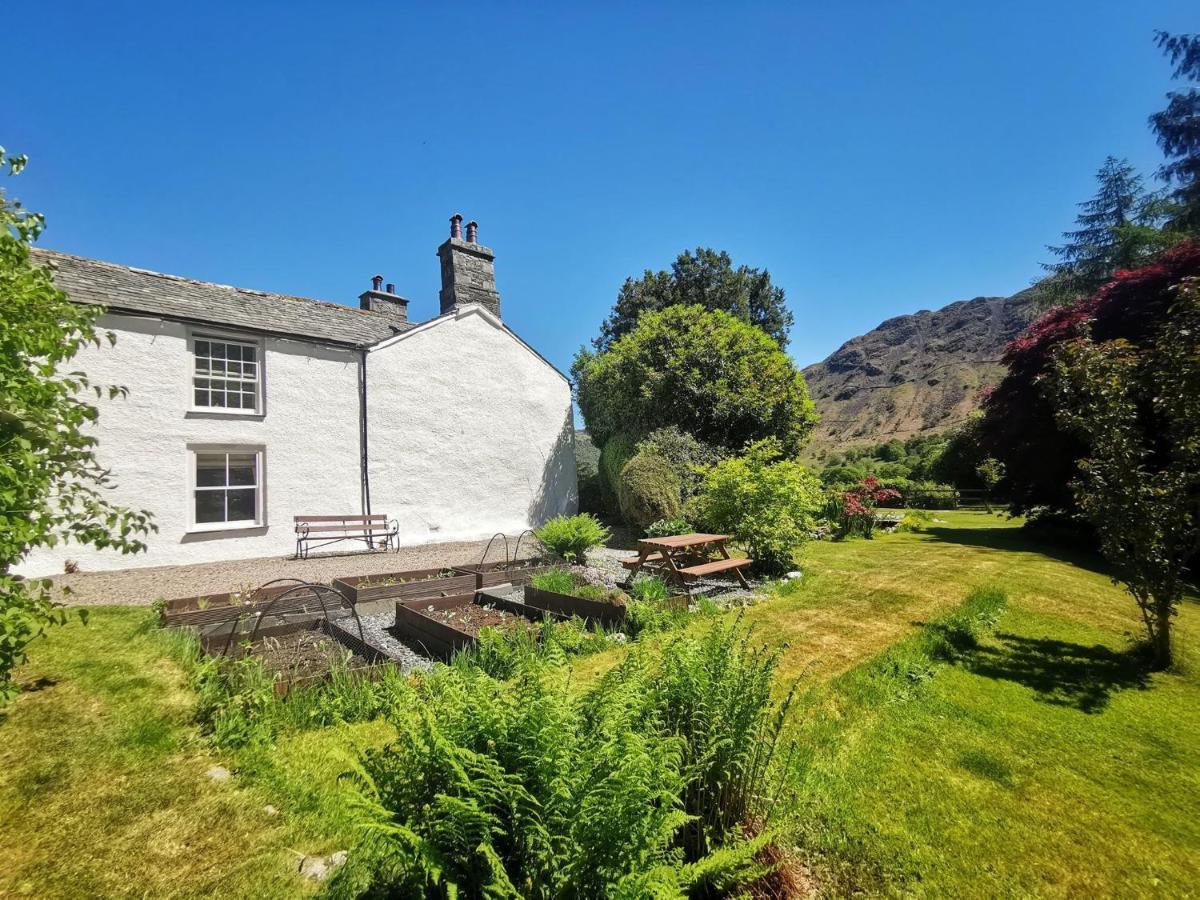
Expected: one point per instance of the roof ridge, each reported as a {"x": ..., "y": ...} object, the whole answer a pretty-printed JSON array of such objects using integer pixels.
[{"x": 45, "y": 251}]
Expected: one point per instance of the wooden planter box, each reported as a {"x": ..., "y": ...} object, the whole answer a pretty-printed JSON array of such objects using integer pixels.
[
  {"x": 216, "y": 609},
  {"x": 441, "y": 640},
  {"x": 409, "y": 585},
  {"x": 606, "y": 614},
  {"x": 377, "y": 660},
  {"x": 517, "y": 572}
]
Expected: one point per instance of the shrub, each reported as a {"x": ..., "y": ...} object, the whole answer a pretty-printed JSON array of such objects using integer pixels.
[
  {"x": 768, "y": 504},
  {"x": 668, "y": 527},
  {"x": 648, "y": 490},
  {"x": 707, "y": 373},
  {"x": 619, "y": 450},
  {"x": 689, "y": 458},
  {"x": 572, "y": 536},
  {"x": 857, "y": 508}
]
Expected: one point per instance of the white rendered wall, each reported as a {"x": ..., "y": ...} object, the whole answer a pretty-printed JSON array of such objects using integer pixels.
[
  {"x": 469, "y": 432},
  {"x": 309, "y": 429}
]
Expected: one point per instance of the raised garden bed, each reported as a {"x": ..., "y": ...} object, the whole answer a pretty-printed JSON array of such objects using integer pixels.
[
  {"x": 599, "y": 611},
  {"x": 215, "y": 609},
  {"x": 444, "y": 625},
  {"x": 405, "y": 585},
  {"x": 517, "y": 572},
  {"x": 304, "y": 654}
]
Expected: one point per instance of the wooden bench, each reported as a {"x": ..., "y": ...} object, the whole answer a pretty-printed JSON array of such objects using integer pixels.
[
  {"x": 711, "y": 568},
  {"x": 321, "y": 531},
  {"x": 632, "y": 562}
]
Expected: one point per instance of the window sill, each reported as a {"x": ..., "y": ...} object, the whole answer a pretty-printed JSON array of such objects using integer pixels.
[
  {"x": 211, "y": 527},
  {"x": 205, "y": 412}
]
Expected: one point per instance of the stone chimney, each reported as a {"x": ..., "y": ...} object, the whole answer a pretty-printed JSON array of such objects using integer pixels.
[
  {"x": 468, "y": 273},
  {"x": 383, "y": 301}
]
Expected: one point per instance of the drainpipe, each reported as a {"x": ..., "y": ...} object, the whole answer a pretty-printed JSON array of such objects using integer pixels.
[{"x": 364, "y": 473}]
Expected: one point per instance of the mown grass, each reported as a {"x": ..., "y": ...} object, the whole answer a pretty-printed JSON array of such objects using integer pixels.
[{"x": 1046, "y": 760}]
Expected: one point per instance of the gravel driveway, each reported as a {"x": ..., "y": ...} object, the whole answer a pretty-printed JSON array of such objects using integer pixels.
[{"x": 141, "y": 587}]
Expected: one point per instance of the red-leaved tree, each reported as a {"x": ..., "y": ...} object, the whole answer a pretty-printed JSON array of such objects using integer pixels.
[{"x": 1020, "y": 427}]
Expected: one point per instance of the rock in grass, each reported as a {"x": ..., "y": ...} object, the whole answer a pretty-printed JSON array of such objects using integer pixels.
[
  {"x": 270, "y": 810},
  {"x": 314, "y": 868},
  {"x": 318, "y": 868},
  {"x": 219, "y": 773}
]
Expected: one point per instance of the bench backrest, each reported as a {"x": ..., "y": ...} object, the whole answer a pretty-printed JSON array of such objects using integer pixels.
[{"x": 369, "y": 523}]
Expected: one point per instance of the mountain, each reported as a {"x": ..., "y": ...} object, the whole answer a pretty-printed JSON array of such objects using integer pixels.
[{"x": 914, "y": 374}]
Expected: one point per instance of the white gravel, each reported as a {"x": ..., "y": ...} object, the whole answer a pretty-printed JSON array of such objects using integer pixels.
[
  {"x": 377, "y": 631},
  {"x": 141, "y": 587}
]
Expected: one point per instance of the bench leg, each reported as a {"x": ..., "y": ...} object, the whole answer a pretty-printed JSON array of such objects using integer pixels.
[{"x": 738, "y": 572}]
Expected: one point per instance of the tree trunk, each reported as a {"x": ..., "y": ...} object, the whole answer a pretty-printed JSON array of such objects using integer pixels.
[{"x": 1162, "y": 637}]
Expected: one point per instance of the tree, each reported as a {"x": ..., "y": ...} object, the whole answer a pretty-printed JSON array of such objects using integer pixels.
[
  {"x": 1178, "y": 130},
  {"x": 1020, "y": 427},
  {"x": 1117, "y": 229},
  {"x": 704, "y": 278},
  {"x": 51, "y": 485},
  {"x": 704, "y": 371},
  {"x": 1139, "y": 484}
]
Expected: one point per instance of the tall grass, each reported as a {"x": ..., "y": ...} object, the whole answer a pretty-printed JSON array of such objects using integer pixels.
[
  {"x": 660, "y": 780},
  {"x": 236, "y": 704}
]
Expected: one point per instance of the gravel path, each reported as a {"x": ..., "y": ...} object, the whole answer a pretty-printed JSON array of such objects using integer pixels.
[
  {"x": 377, "y": 630},
  {"x": 141, "y": 587}
]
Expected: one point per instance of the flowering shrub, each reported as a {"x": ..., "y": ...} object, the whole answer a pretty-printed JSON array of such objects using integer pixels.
[{"x": 858, "y": 507}]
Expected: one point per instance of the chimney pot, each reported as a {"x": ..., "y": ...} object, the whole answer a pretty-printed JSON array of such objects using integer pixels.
[
  {"x": 472, "y": 232},
  {"x": 376, "y": 282},
  {"x": 456, "y": 226},
  {"x": 391, "y": 288}
]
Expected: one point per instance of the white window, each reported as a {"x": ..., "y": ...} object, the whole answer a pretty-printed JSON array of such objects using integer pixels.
[
  {"x": 227, "y": 375},
  {"x": 226, "y": 488}
]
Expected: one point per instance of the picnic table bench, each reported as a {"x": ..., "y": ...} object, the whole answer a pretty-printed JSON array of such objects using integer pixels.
[
  {"x": 321, "y": 531},
  {"x": 671, "y": 556}
]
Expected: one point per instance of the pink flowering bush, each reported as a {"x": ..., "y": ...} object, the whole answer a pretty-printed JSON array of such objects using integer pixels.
[{"x": 855, "y": 509}]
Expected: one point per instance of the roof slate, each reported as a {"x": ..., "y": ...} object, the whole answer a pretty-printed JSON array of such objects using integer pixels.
[{"x": 127, "y": 289}]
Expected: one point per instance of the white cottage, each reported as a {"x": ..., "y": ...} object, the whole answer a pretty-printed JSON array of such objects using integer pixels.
[{"x": 247, "y": 408}]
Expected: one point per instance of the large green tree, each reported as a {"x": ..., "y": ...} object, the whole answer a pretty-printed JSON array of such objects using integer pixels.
[
  {"x": 1119, "y": 228},
  {"x": 1137, "y": 410},
  {"x": 705, "y": 278},
  {"x": 704, "y": 371},
  {"x": 52, "y": 488},
  {"x": 1178, "y": 130}
]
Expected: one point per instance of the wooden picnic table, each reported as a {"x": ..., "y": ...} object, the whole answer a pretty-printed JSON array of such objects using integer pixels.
[{"x": 668, "y": 553}]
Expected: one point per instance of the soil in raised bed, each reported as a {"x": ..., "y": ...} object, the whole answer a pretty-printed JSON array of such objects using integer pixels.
[
  {"x": 302, "y": 653},
  {"x": 370, "y": 581},
  {"x": 471, "y": 617}
]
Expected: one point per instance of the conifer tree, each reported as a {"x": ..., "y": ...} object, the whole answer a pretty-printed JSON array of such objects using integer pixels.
[
  {"x": 1178, "y": 130},
  {"x": 1119, "y": 228}
]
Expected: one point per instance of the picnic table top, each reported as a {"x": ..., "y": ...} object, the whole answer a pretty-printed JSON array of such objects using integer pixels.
[{"x": 674, "y": 542}]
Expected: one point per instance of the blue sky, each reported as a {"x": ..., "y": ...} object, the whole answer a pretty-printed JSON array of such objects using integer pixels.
[{"x": 878, "y": 158}]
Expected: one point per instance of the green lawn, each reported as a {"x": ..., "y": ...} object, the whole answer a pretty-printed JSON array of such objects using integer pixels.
[{"x": 1044, "y": 762}]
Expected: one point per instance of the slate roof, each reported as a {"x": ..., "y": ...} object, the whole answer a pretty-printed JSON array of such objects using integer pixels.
[{"x": 127, "y": 289}]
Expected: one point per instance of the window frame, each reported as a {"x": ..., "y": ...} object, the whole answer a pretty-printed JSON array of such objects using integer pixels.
[
  {"x": 260, "y": 486},
  {"x": 220, "y": 337}
]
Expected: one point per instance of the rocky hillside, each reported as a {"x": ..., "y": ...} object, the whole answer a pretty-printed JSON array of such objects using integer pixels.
[{"x": 913, "y": 374}]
